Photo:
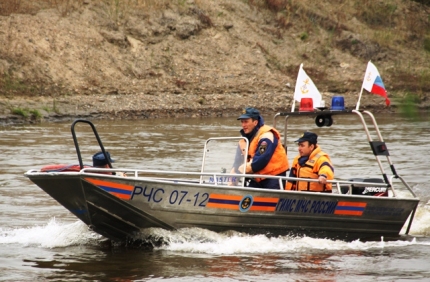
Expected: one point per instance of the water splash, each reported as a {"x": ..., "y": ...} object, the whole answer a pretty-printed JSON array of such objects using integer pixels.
[
  {"x": 420, "y": 225},
  {"x": 196, "y": 240},
  {"x": 52, "y": 235},
  {"x": 192, "y": 240}
]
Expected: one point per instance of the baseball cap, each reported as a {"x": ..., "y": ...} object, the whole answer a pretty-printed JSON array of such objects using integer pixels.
[
  {"x": 249, "y": 113},
  {"x": 308, "y": 136},
  {"x": 99, "y": 159}
]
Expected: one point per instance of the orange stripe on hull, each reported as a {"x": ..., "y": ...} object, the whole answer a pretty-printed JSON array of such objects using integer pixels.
[
  {"x": 121, "y": 196},
  {"x": 349, "y": 212},
  {"x": 266, "y": 200},
  {"x": 257, "y": 208},
  {"x": 226, "y": 197},
  {"x": 351, "y": 204},
  {"x": 222, "y": 206},
  {"x": 110, "y": 184}
]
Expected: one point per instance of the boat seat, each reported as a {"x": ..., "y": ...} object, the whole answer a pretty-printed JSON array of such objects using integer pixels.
[{"x": 363, "y": 189}]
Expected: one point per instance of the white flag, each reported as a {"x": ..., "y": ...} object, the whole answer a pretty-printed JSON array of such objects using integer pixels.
[
  {"x": 305, "y": 88},
  {"x": 372, "y": 82}
]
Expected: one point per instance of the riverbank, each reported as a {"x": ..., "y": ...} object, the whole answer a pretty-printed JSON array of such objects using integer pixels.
[
  {"x": 196, "y": 58},
  {"x": 23, "y": 110}
]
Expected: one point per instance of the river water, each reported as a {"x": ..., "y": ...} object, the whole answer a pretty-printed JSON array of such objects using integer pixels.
[{"x": 41, "y": 241}]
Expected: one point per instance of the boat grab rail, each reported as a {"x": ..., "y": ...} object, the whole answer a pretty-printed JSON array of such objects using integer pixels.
[
  {"x": 404, "y": 183},
  {"x": 373, "y": 145},
  {"x": 75, "y": 141},
  {"x": 387, "y": 155},
  {"x": 369, "y": 138},
  {"x": 137, "y": 172},
  {"x": 216, "y": 176}
]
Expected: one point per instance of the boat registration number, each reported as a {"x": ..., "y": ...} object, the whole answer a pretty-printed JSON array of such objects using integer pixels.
[{"x": 174, "y": 197}]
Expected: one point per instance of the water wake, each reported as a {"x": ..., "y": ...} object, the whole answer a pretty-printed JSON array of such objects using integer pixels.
[
  {"x": 196, "y": 240},
  {"x": 189, "y": 240},
  {"x": 52, "y": 235}
]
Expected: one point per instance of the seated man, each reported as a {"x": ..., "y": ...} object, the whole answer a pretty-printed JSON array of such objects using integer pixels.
[
  {"x": 99, "y": 161},
  {"x": 266, "y": 155},
  {"x": 311, "y": 163}
]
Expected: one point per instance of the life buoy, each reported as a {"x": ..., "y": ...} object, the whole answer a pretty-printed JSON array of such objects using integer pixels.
[{"x": 61, "y": 168}]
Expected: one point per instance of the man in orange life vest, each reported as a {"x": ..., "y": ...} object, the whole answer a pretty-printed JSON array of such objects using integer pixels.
[
  {"x": 266, "y": 155},
  {"x": 313, "y": 163}
]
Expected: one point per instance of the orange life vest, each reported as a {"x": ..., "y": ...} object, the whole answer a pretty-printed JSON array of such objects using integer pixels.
[
  {"x": 61, "y": 168},
  {"x": 308, "y": 170},
  {"x": 279, "y": 161}
]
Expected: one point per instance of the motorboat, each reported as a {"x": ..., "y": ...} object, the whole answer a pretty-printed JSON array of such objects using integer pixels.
[{"x": 121, "y": 203}]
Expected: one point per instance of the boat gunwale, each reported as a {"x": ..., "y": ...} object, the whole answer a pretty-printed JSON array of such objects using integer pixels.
[{"x": 178, "y": 182}]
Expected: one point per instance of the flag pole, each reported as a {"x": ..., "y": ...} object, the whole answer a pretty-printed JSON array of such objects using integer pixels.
[
  {"x": 294, "y": 97},
  {"x": 359, "y": 98},
  {"x": 362, "y": 86}
]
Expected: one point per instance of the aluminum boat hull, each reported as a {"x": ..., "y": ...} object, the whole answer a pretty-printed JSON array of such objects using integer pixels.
[{"x": 119, "y": 208}]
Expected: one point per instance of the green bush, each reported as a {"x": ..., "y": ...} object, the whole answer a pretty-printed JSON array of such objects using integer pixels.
[
  {"x": 20, "y": 112},
  {"x": 36, "y": 114},
  {"x": 304, "y": 36}
]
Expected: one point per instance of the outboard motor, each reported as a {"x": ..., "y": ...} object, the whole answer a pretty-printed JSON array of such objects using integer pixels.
[{"x": 364, "y": 190}]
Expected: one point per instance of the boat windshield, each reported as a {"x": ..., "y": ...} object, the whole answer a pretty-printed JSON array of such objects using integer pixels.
[{"x": 219, "y": 156}]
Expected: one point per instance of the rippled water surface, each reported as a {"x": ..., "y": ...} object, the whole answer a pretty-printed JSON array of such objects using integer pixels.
[{"x": 41, "y": 241}]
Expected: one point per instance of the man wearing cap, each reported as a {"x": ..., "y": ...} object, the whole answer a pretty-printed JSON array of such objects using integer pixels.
[
  {"x": 99, "y": 161},
  {"x": 313, "y": 163},
  {"x": 266, "y": 155}
]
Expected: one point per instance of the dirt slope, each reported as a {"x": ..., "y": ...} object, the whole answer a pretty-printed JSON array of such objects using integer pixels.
[{"x": 204, "y": 58}]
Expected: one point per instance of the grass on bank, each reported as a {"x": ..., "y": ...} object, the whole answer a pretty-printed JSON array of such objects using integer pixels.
[
  {"x": 33, "y": 114},
  {"x": 408, "y": 108},
  {"x": 26, "y": 113},
  {"x": 20, "y": 112}
]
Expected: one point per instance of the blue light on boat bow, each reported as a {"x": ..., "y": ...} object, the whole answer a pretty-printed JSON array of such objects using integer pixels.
[{"x": 337, "y": 103}]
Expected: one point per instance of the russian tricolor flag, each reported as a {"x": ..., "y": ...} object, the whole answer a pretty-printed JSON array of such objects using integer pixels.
[{"x": 373, "y": 82}]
